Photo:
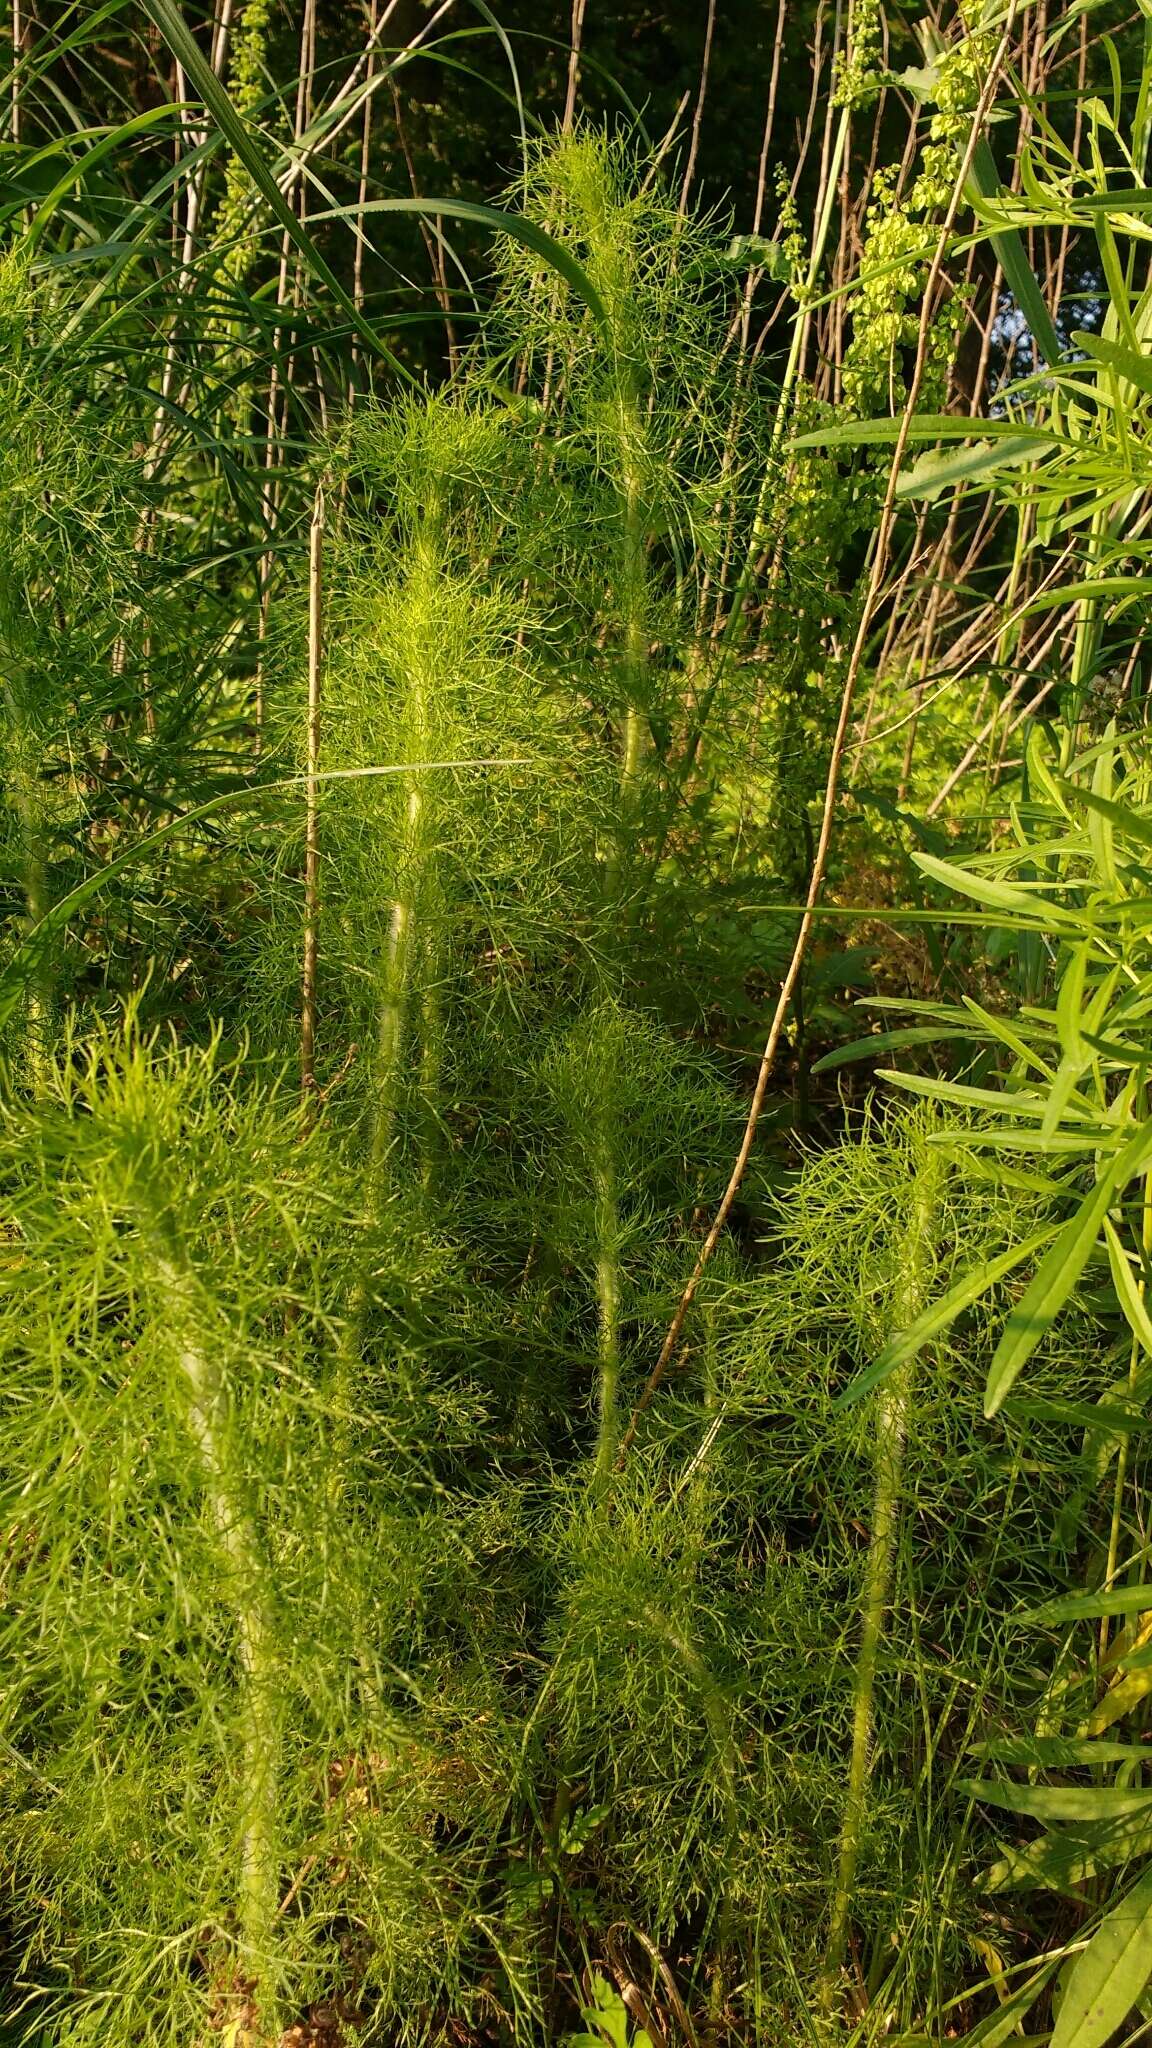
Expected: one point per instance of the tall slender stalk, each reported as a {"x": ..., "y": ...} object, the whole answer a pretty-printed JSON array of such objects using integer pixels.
[
  {"x": 607, "y": 1236},
  {"x": 196, "y": 1359},
  {"x": 916, "y": 1262},
  {"x": 402, "y": 946},
  {"x": 24, "y": 749},
  {"x": 312, "y": 793}
]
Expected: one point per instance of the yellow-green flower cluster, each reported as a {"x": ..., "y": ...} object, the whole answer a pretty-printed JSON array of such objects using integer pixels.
[
  {"x": 860, "y": 76},
  {"x": 235, "y": 233}
]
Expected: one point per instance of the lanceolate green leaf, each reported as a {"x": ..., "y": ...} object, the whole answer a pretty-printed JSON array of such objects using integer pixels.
[
  {"x": 1003, "y": 2025},
  {"x": 1129, "y": 823},
  {"x": 906, "y": 1343},
  {"x": 997, "y": 895},
  {"x": 1125, "y": 361},
  {"x": 1128, "y": 1291},
  {"x": 935, "y": 473},
  {"x": 927, "y": 426},
  {"x": 1074, "y": 590},
  {"x": 1099, "y": 1416},
  {"x": 1059, "y": 1271},
  {"x": 891, "y": 1041},
  {"x": 1091, "y": 1606},
  {"x": 1010, "y": 249},
  {"x": 1059, "y": 1802},
  {"x": 1110, "y": 1975}
]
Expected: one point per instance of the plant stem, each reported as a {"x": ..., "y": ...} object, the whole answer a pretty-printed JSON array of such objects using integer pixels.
[
  {"x": 312, "y": 838},
  {"x": 891, "y": 1429},
  {"x": 607, "y": 1231},
  {"x": 27, "y": 799},
  {"x": 247, "y": 1586},
  {"x": 633, "y": 603}
]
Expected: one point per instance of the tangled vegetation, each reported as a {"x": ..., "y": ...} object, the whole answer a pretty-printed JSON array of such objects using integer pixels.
[{"x": 574, "y": 1027}]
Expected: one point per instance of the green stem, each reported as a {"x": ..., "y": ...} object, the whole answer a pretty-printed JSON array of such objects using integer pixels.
[
  {"x": 27, "y": 797},
  {"x": 404, "y": 945},
  {"x": 892, "y": 1405},
  {"x": 633, "y": 602},
  {"x": 1086, "y": 646},
  {"x": 246, "y": 1580},
  {"x": 431, "y": 1054},
  {"x": 395, "y": 992},
  {"x": 607, "y": 1232}
]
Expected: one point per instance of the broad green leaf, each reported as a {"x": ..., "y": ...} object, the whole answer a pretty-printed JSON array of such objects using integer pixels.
[
  {"x": 1111, "y": 1973},
  {"x": 1059, "y": 1802},
  {"x": 906, "y": 1343},
  {"x": 608, "y": 2017},
  {"x": 935, "y": 472}
]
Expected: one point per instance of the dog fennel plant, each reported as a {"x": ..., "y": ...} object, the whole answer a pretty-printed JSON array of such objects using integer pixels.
[
  {"x": 893, "y": 1404},
  {"x": 360, "y": 1691},
  {"x": 186, "y": 1617}
]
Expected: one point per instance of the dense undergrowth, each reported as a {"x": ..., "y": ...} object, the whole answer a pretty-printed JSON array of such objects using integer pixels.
[{"x": 529, "y": 1513}]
